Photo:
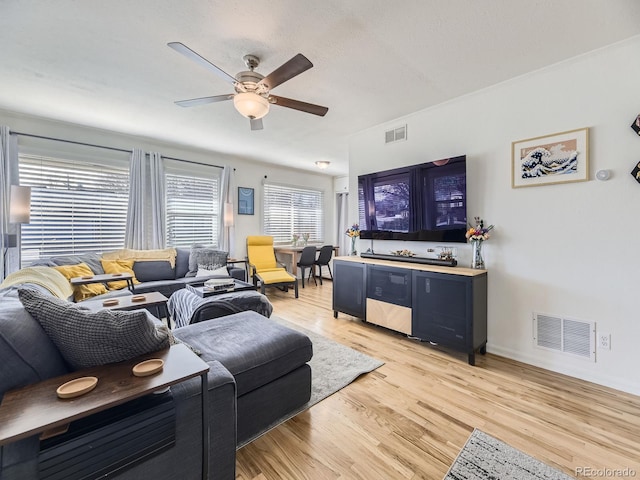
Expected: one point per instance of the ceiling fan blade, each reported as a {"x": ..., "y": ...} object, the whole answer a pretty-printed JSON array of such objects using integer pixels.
[
  {"x": 256, "y": 123},
  {"x": 187, "y": 52},
  {"x": 204, "y": 100},
  {"x": 287, "y": 71},
  {"x": 298, "y": 105}
]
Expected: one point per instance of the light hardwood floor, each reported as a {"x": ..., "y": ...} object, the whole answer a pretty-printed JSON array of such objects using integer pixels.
[{"x": 409, "y": 418}]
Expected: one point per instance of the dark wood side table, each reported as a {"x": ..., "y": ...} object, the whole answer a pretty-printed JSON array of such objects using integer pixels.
[
  {"x": 151, "y": 299},
  {"x": 106, "y": 277},
  {"x": 245, "y": 262},
  {"x": 36, "y": 408}
]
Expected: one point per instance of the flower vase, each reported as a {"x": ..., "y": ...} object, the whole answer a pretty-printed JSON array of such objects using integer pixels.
[
  {"x": 476, "y": 255},
  {"x": 353, "y": 246}
]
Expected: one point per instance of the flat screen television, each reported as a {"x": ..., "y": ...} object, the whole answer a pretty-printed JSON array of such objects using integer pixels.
[{"x": 425, "y": 202}]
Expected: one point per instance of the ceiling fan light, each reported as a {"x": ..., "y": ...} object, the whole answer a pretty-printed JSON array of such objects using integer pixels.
[{"x": 251, "y": 105}]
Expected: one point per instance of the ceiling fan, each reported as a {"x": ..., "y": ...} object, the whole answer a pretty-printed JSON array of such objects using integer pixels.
[{"x": 253, "y": 91}]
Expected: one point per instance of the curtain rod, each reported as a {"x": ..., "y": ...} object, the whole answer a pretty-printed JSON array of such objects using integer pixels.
[
  {"x": 194, "y": 162},
  {"x": 71, "y": 141},
  {"x": 108, "y": 148}
]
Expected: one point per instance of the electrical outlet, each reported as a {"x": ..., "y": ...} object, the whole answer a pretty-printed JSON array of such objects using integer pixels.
[{"x": 604, "y": 341}]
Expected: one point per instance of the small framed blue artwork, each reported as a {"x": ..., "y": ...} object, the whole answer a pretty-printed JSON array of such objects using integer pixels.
[{"x": 245, "y": 201}]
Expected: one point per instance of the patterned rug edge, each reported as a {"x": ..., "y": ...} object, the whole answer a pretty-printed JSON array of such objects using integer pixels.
[{"x": 500, "y": 461}]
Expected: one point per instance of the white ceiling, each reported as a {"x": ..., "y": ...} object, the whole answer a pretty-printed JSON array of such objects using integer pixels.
[{"x": 106, "y": 64}]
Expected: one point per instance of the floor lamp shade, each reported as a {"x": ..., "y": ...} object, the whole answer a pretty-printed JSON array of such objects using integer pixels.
[
  {"x": 20, "y": 204},
  {"x": 228, "y": 214}
]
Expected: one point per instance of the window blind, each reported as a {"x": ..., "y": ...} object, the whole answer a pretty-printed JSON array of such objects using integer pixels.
[
  {"x": 291, "y": 210},
  {"x": 76, "y": 206},
  {"x": 193, "y": 209}
]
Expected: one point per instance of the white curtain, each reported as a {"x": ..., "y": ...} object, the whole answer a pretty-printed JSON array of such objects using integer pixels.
[
  {"x": 9, "y": 175},
  {"x": 226, "y": 221},
  {"x": 342, "y": 214},
  {"x": 146, "y": 212}
]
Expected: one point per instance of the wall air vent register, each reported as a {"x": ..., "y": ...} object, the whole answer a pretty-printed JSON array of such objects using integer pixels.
[
  {"x": 565, "y": 335},
  {"x": 396, "y": 134}
]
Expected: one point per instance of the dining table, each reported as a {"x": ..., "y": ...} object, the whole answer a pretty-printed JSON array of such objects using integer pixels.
[{"x": 291, "y": 254}]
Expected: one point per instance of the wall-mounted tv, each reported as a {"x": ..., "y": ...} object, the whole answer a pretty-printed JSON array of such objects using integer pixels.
[{"x": 425, "y": 202}]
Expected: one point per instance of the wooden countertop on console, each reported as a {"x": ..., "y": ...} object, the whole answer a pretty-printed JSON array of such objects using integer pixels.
[{"x": 468, "y": 272}]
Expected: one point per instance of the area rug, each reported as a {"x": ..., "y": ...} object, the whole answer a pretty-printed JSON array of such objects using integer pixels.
[
  {"x": 333, "y": 367},
  {"x": 485, "y": 457}
]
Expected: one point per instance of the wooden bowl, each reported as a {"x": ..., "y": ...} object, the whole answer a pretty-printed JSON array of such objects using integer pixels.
[
  {"x": 77, "y": 387},
  {"x": 148, "y": 367}
]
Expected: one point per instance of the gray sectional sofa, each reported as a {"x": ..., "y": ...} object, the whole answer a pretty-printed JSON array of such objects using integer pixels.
[
  {"x": 258, "y": 373},
  {"x": 154, "y": 275}
]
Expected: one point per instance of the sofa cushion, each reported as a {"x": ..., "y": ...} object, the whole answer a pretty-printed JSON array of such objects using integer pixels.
[
  {"x": 27, "y": 355},
  {"x": 119, "y": 266},
  {"x": 151, "y": 270},
  {"x": 182, "y": 262},
  {"x": 81, "y": 292},
  {"x": 91, "y": 259},
  {"x": 86, "y": 339},
  {"x": 253, "y": 348},
  {"x": 207, "y": 258}
]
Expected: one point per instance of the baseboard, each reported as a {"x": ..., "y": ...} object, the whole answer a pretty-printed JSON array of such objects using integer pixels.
[{"x": 583, "y": 374}]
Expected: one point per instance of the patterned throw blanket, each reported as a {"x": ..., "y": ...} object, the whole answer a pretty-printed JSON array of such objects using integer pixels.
[
  {"x": 186, "y": 307},
  {"x": 46, "y": 277}
]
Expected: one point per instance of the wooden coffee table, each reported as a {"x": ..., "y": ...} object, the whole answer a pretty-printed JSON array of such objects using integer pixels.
[
  {"x": 36, "y": 408},
  {"x": 129, "y": 302}
]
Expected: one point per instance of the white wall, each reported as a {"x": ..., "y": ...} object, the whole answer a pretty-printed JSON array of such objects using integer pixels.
[
  {"x": 247, "y": 174},
  {"x": 568, "y": 249}
]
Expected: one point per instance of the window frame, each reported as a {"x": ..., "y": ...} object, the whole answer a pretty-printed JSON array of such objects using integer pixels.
[
  {"x": 211, "y": 173},
  {"x": 75, "y": 213},
  {"x": 317, "y": 233}
]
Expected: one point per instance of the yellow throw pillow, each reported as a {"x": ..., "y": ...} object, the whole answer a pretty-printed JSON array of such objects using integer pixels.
[
  {"x": 119, "y": 266},
  {"x": 80, "y": 292}
]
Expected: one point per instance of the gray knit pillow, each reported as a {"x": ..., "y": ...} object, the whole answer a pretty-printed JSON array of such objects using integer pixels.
[
  {"x": 205, "y": 257},
  {"x": 86, "y": 339}
]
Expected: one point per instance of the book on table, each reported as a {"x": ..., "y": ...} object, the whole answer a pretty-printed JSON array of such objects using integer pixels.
[{"x": 219, "y": 284}]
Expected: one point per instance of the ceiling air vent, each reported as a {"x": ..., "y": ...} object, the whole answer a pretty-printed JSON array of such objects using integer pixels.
[
  {"x": 396, "y": 134},
  {"x": 564, "y": 335}
]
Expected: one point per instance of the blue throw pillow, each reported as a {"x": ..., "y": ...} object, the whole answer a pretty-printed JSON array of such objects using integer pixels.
[{"x": 152, "y": 270}]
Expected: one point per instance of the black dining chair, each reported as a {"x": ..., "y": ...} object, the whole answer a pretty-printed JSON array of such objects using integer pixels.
[
  {"x": 308, "y": 260},
  {"x": 326, "y": 252}
]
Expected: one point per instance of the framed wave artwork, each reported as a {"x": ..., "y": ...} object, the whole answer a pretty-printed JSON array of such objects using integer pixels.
[
  {"x": 245, "y": 201},
  {"x": 558, "y": 158}
]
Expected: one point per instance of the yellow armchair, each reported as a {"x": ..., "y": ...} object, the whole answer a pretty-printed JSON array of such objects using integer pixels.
[{"x": 263, "y": 266}]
